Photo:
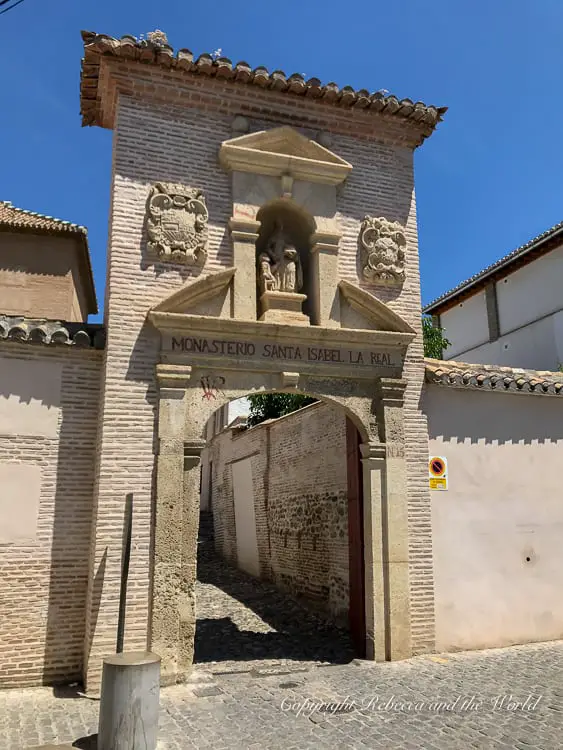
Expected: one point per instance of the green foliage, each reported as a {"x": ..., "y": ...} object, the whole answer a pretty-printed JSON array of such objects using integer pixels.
[
  {"x": 433, "y": 337},
  {"x": 273, "y": 405}
]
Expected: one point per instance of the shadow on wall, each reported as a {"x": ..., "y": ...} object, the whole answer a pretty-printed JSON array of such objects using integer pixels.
[
  {"x": 70, "y": 548},
  {"x": 24, "y": 385},
  {"x": 294, "y": 632},
  {"x": 457, "y": 415}
]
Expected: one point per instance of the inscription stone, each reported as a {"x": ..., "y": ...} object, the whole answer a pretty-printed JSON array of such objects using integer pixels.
[{"x": 260, "y": 351}]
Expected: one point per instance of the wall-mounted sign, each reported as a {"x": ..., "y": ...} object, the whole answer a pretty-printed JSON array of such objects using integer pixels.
[{"x": 438, "y": 473}]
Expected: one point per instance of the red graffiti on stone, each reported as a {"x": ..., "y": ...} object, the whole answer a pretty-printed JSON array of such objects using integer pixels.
[{"x": 211, "y": 386}]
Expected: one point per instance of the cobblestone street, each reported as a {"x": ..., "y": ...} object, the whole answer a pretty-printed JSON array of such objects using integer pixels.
[
  {"x": 245, "y": 624},
  {"x": 390, "y": 705},
  {"x": 271, "y": 675}
]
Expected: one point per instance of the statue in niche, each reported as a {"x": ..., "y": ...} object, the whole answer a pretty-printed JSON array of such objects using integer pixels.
[
  {"x": 267, "y": 279},
  {"x": 279, "y": 265}
]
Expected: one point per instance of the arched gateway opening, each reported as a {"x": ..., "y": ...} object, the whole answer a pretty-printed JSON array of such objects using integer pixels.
[
  {"x": 280, "y": 576},
  {"x": 282, "y": 319}
]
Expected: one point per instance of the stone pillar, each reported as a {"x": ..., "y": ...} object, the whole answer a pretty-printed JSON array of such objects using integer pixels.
[
  {"x": 244, "y": 233},
  {"x": 173, "y": 583},
  {"x": 395, "y": 520},
  {"x": 190, "y": 530},
  {"x": 373, "y": 461},
  {"x": 324, "y": 277}
]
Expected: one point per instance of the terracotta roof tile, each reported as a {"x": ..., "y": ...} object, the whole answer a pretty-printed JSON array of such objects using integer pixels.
[
  {"x": 156, "y": 51},
  {"x": 493, "y": 377},
  {"x": 42, "y": 331},
  {"x": 20, "y": 219},
  {"x": 12, "y": 216}
]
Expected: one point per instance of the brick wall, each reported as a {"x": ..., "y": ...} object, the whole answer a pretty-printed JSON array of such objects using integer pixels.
[
  {"x": 40, "y": 276},
  {"x": 300, "y": 500},
  {"x": 43, "y": 579},
  {"x": 179, "y": 143},
  {"x": 149, "y": 145}
]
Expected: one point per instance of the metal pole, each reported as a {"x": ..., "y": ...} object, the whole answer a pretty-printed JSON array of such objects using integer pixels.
[{"x": 125, "y": 557}]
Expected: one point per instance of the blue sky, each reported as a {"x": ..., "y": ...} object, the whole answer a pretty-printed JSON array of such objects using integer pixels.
[{"x": 488, "y": 180}]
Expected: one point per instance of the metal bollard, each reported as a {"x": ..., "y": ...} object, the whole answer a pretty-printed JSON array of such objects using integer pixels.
[{"x": 129, "y": 702}]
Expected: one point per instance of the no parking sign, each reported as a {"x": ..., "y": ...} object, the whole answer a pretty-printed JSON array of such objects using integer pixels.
[{"x": 438, "y": 473}]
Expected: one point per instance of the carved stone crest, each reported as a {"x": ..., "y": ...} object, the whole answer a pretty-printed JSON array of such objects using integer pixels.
[
  {"x": 177, "y": 223},
  {"x": 382, "y": 251}
]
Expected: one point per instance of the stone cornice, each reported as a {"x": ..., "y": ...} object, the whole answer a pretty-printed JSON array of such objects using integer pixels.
[
  {"x": 244, "y": 230},
  {"x": 281, "y": 152},
  {"x": 326, "y": 242},
  {"x": 374, "y": 310},
  {"x": 190, "y": 295},
  {"x": 391, "y": 391},
  {"x": 373, "y": 451},
  {"x": 206, "y": 326},
  {"x": 173, "y": 376}
]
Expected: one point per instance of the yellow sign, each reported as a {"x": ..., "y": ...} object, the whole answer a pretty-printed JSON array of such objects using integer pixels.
[
  {"x": 438, "y": 484},
  {"x": 438, "y": 473}
]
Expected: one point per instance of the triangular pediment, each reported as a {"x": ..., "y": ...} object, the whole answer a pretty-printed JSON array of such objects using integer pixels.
[
  {"x": 369, "y": 312},
  {"x": 208, "y": 295},
  {"x": 284, "y": 151}
]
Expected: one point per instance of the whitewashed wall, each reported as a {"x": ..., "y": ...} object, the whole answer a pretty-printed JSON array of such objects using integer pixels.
[{"x": 497, "y": 530}]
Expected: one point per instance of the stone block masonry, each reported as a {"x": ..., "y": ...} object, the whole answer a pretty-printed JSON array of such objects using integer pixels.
[
  {"x": 300, "y": 503},
  {"x": 45, "y": 527}
]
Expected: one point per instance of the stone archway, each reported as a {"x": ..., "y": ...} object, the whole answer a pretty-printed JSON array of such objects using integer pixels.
[
  {"x": 280, "y": 540},
  {"x": 349, "y": 350},
  {"x": 370, "y": 399}
]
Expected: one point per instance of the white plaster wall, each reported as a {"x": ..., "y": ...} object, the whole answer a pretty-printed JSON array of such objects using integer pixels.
[
  {"x": 245, "y": 517},
  {"x": 466, "y": 325},
  {"x": 30, "y": 397},
  {"x": 19, "y": 502},
  {"x": 538, "y": 346},
  {"x": 497, "y": 530},
  {"x": 531, "y": 292},
  {"x": 558, "y": 336}
]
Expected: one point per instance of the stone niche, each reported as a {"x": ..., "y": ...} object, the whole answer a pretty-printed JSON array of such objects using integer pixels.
[
  {"x": 284, "y": 290},
  {"x": 284, "y": 228}
]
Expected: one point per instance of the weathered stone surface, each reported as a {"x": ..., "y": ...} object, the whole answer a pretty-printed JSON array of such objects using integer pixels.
[
  {"x": 382, "y": 251},
  {"x": 177, "y": 223}
]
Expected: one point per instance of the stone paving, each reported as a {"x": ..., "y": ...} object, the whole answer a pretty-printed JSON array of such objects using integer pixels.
[
  {"x": 243, "y": 623},
  {"x": 271, "y": 675},
  {"x": 446, "y": 702}
]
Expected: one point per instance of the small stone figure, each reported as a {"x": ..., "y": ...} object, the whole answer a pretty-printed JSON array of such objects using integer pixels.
[
  {"x": 267, "y": 279},
  {"x": 280, "y": 266},
  {"x": 289, "y": 271}
]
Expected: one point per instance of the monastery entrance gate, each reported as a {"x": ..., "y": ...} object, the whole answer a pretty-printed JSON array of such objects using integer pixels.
[
  {"x": 279, "y": 319},
  {"x": 262, "y": 238},
  {"x": 374, "y": 405}
]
